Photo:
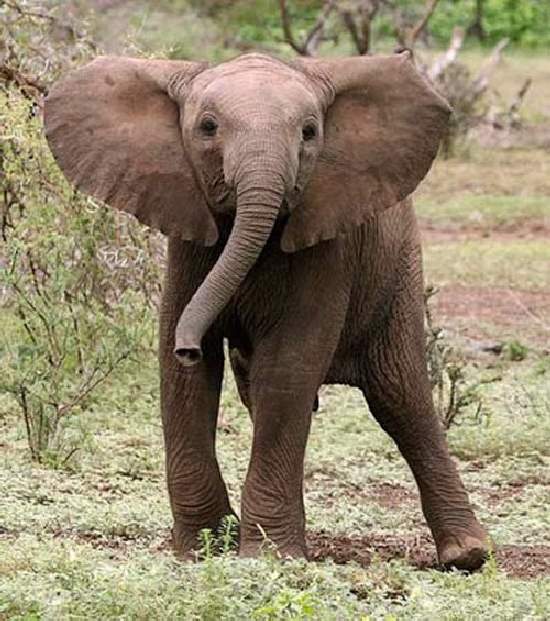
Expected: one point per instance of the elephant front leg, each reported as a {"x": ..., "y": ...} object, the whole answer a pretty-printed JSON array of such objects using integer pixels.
[
  {"x": 190, "y": 399},
  {"x": 398, "y": 392},
  {"x": 287, "y": 366},
  {"x": 272, "y": 504},
  {"x": 241, "y": 370}
]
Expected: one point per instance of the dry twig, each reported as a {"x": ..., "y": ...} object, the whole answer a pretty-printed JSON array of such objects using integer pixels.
[
  {"x": 30, "y": 86},
  {"x": 481, "y": 82},
  {"x": 449, "y": 57}
]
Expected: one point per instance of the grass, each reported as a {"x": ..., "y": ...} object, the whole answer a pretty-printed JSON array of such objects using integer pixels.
[
  {"x": 70, "y": 579},
  {"x": 522, "y": 174},
  {"x": 485, "y": 211},
  {"x": 519, "y": 264},
  {"x": 90, "y": 540},
  {"x": 227, "y": 589}
]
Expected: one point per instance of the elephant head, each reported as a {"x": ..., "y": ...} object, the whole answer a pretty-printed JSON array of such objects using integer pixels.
[{"x": 324, "y": 144}]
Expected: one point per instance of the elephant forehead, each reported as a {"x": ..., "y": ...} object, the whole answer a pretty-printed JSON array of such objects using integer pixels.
[
  {"x": 260, "y": 86},
  {"x": 257, "y": 81}
]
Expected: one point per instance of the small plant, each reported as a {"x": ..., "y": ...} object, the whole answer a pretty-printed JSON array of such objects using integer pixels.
[
  {"x": 229, "y": 534},
  {"x": 454, "y": 395},
  {"x": 515, "y": 351},
  {"x": 222, "y": 542},
  {"x": 288, "y": 604},
  {"x": 529, "y": 398}
]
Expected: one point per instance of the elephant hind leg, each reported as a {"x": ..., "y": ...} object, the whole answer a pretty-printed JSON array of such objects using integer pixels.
[{"x": 240, "y": 364}]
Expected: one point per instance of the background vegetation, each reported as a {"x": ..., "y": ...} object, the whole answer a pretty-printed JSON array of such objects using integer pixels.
[{"x": 84, "y": 516}]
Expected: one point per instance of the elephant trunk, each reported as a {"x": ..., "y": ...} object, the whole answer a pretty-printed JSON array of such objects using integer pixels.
[{"x": 259, "y": 198}]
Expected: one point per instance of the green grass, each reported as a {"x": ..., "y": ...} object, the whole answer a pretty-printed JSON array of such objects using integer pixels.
[
  {"x": 519, "y": 264},
  {"x": 483, "y": 211},
  {"x": 90, "y": 541},
  {"x": 70, "y": 579},
  {"x": 78, "y": 582}
]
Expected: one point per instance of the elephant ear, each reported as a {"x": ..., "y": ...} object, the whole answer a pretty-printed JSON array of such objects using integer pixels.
[
  {"x": 115, "y": 133},
  {"x": 382, "y": 132}
]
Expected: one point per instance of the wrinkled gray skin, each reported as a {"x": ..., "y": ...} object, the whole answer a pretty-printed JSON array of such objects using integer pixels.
[{"x": 308, "y": 262}]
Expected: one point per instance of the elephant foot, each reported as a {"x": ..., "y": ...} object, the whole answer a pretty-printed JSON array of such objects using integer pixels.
[
  {"x": 463, "y": 551},
  {"x": 189, "y": 545},
  {"x": 283, "y": 546},
  {"x": 284, "y": 552}
]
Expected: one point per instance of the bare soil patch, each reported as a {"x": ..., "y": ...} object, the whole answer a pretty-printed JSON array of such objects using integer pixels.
[
  {"x": 525, "y": 229},
  {"x": 497, "y": 496},
  {"x": 513, "y": 309},
  {"x": 419, "y": 551},
  {"x": 390, "y": 495},
  {"x": 512, "y": 489},
  {"x": 524, "y": 561}
]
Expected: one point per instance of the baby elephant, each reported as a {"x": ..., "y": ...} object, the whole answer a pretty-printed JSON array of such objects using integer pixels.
[{"x": 282, "y": 187}]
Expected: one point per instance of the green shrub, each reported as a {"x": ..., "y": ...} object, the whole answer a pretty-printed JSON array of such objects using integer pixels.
[
  {"x": 457, "y": 396},
  {"x": 515, "y": 350},
  {"x": 524, "y": 22},
  {"x": 78, "y": 281}
]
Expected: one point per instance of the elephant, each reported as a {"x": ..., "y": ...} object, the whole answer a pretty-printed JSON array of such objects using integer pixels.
[{"x": 284, "y": 188}]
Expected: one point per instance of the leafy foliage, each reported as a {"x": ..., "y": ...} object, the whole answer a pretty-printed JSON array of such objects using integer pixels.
[
  {"x": 524, "y": 23},
  {"x": 73, "y": 270}
]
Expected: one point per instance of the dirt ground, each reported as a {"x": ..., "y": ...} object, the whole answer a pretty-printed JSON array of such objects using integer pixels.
[
  {"x": 419, "y": 551},
  {"x": 513, "y": 311},
  {"x": 517, "y": 561},
  {"x": 481, "y": 312}
]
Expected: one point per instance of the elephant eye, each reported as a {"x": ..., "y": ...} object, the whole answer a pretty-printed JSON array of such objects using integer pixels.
[
  {"x": 208, "y": 126},
  {"x": 309, "y": 131}
]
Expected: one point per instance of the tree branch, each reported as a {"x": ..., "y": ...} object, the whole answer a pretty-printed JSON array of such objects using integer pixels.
[
  {"x": 407, "y": 35},
  {"x": 91, "y": 382},
  {"x": 287, "y": 29},
  {"x": 315, "y": 34},
  {"x": 417, "y": 30},
  {"x": 29, "y": 86},
  {"x": 358, "y": 23},
  {"x": 313, "y": 38},
  {"x": 481, "y": 82}
]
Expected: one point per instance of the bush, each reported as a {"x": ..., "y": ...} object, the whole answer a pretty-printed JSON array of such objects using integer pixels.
[
  {"x": 78, "y": 281},
  {"x": 457, "y": 398},
  {"x": 524, "y": 22}
]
